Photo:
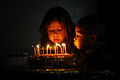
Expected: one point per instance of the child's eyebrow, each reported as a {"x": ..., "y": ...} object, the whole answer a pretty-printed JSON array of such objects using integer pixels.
[
  {"x": 53, "y": 26},
  {"x": 50, "y": 28},
  {"x": 60, "y": 26}
]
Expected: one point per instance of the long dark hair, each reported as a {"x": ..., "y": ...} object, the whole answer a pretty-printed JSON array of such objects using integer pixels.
[{"x": 62, "y": 16}]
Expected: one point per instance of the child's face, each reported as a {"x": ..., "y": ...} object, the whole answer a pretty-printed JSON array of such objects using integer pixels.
[
  {"x": 56, "y": 32},
  {"x": 80, "y": 39}
]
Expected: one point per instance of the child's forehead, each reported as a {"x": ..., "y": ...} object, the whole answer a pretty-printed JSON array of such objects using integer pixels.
[
  {"x": 55, "y": 27},
  {"x": 79, "y": 29},
  {"x": 55, "y": 24}
]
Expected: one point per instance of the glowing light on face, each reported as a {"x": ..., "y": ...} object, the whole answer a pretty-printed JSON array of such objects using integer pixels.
[
  {"x": 56, "y": 32},
  {"x": 80, "y": 40}
]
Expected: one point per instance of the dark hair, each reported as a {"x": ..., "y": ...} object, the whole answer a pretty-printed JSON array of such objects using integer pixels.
[
  {"x": 62, "y": 16},
  {"x": 93, "y": 24}
]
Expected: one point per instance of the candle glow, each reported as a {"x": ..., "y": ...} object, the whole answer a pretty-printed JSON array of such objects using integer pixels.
[
  {"x": 47, "y": 48},
  {"x": 34, "y": 50},
  {"x": 64, "y": 48},
  {"x": 38, "y": 50},
  {"x": 56, "y": 48}
]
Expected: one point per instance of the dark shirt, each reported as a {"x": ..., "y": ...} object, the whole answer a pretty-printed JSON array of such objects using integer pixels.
[{"x": 98, "y": 59}]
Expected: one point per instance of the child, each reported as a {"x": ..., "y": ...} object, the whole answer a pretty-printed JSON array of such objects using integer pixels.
[
  {"x": 56, "y": 27},
  {"x": 90, "y": 35}
]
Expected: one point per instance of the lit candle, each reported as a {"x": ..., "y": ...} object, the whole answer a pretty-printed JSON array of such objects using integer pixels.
[
  {"x": 34, "y": 50},
  {"x": 55, "y": 49},
  {"x": 64, "y": 48},
  {"x": 38, "y": 50},
  {"x": 50, "y": 50},
  {"x": 43, "y": 50},
  {"x": 61, "y": 49},
  {"x": 47, "y": 48}
]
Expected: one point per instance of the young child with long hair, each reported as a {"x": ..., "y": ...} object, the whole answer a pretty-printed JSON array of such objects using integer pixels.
[{"x": 57, "y": 27}]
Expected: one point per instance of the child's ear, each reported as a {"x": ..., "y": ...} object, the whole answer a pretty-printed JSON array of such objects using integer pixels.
[{"x": 93, "y": 37}]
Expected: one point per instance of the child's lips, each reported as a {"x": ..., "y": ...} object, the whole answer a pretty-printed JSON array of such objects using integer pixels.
[{"x": 56, "y": 40}]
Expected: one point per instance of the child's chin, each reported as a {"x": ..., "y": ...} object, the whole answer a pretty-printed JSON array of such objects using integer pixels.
[
  {"x": 78, "y": 47},
  {"x": 57, "y": 42},
  {"x": 75, "y": 44}
]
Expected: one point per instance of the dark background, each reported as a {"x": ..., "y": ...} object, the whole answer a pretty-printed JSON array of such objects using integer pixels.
[{"x": 21, "y": 19}]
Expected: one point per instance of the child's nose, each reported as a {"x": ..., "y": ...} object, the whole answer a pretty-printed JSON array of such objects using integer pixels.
[{"x": 55, "y": 33}]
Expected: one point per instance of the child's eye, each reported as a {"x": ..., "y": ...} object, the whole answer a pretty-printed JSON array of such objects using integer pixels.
[
  {"x": 50, "y": 30},
  {"x": 78, "y": 36},
  {"x": 59, "y": 29}
]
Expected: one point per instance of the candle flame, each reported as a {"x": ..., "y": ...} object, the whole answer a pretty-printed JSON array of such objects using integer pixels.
[
  {"x": 48, "y": 46},
  {"x": 58, "y": 45},
  {"x": 32, "y": 46},
  {"x": 37, "y": 46},
  {"x": 63, "y": 44}
]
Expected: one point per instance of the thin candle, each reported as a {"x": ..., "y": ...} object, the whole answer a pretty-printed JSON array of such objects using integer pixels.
[
  {"x": 50, "y": 50},
  {"x": 55, "y": 49},
  {"x": 43, "y": 50},
  {"x": 64, "y": 48},
  {"x": 61, "y": 49},
  {"x": 47, "y": 48},
  {"x": 34, "y": 50},
  {"x": 38, "y": 50}
]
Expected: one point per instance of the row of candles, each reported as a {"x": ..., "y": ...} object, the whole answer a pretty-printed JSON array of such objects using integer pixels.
[{"x": 48, "y": 49}]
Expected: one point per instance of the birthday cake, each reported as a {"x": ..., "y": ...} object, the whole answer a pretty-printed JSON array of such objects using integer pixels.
[
  {"x": 49, "y": 58},
  {"x": 52, "y": 61}
]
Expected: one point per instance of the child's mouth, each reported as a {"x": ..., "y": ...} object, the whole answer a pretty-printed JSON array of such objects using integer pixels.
[{"x": 56, "y": 40}]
